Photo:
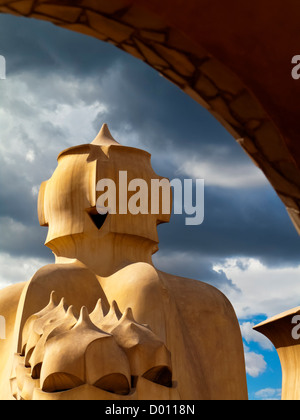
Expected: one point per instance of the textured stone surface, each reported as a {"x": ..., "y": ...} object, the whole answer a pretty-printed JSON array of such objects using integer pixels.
[
  {"x": 223, "y": 78},
  {"x": 67, "y": 14},
  {"x": 206, "y": 87},
  {"x": 245, "y": 109},
  {"x": 114, "y": 30},
  {"x": 150, "y": 55},
  {"x": 174, "y": 77},
  {"x": 270, "y": 143},
  {"x": 24, "y": 7},
  {"x": 154, "y": 36},
  {"x": 109, "y": 7},
  {"x": 176, "y": 60}
]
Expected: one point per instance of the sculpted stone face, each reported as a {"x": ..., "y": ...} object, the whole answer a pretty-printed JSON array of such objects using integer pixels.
[
  {"x": 67, "y": 202},
  {"x": 102, "y": 322}
]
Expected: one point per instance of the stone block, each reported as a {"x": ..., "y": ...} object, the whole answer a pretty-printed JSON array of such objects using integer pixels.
[
  {"x": 220, "y": 106},
  {"x": 177, "y": 60},
  {"x": 222, "y": 77},
  {"x": 174, "y": 77},
  {"x": 5, "y": 9},
  {"x": 159, "y": 37},
  {"x": 206, "y": 87},
  {"x": 62, "y": 13},
  {"x": 248, "y": 144},
  {"x": 150, "y": 55},
  {"x": 113, "y": 29},
  {"x": 84, "y": 29},
  {"x": 132, "y": 50},
  {"x": 196, "y": 96},
  {"x": 55, "y": 21},
  {"x": 22, "y": 7},
  {"x": 246, "y": 108},
  {"x": 269, "y": 141},
  {"x": 250, "y": 149}
]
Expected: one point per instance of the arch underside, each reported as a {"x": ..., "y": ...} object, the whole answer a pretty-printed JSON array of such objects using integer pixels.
[{"x": 194, "y": 69}]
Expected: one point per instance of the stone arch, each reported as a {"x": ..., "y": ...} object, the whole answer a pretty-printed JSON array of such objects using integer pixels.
[{"x": 135, "y": 27}]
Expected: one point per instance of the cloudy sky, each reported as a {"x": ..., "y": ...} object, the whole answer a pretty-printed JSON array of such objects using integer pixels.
[{"x": 60, "y": 88}]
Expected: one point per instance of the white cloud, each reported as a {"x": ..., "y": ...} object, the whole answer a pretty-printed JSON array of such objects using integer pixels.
[
  {"x": 30, "y": 156},
  {"x": 35, "y": 127},
  {"x": 43, "y": 118},
  {"x": 18, "y": 269},
  {"x": 255, "y": 363},
  {"x": 264, "y": 290},
  {"x": 268, "y": 394},
  {"x": 223, "y": 173},
  {"x": 35, "y": 190},
  {"x": 250, "y": 335}
]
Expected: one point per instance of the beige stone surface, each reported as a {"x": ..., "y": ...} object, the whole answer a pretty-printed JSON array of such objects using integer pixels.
[
  {"x": 103, "y": 322},
  {"x": 279, "y": 330}
]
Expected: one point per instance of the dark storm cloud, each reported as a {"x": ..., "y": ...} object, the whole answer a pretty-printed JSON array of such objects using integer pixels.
[
  {"x": 249, "y": 222},
  {"x": 238, "y": 223},
  {"x": 38, "y": 46},
  {"x": 26, "y": 241},
  {"x": 141, "y": 98},
  {"x": 161, "y": 114}
]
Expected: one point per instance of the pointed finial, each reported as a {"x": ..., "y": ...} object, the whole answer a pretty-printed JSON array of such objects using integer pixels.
[
  {"x": 84, "y": 316},
  {"x": 104, "y": 138},
  {"x": 114, "y": 310},
  {"x": 128, "y": 315}
]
